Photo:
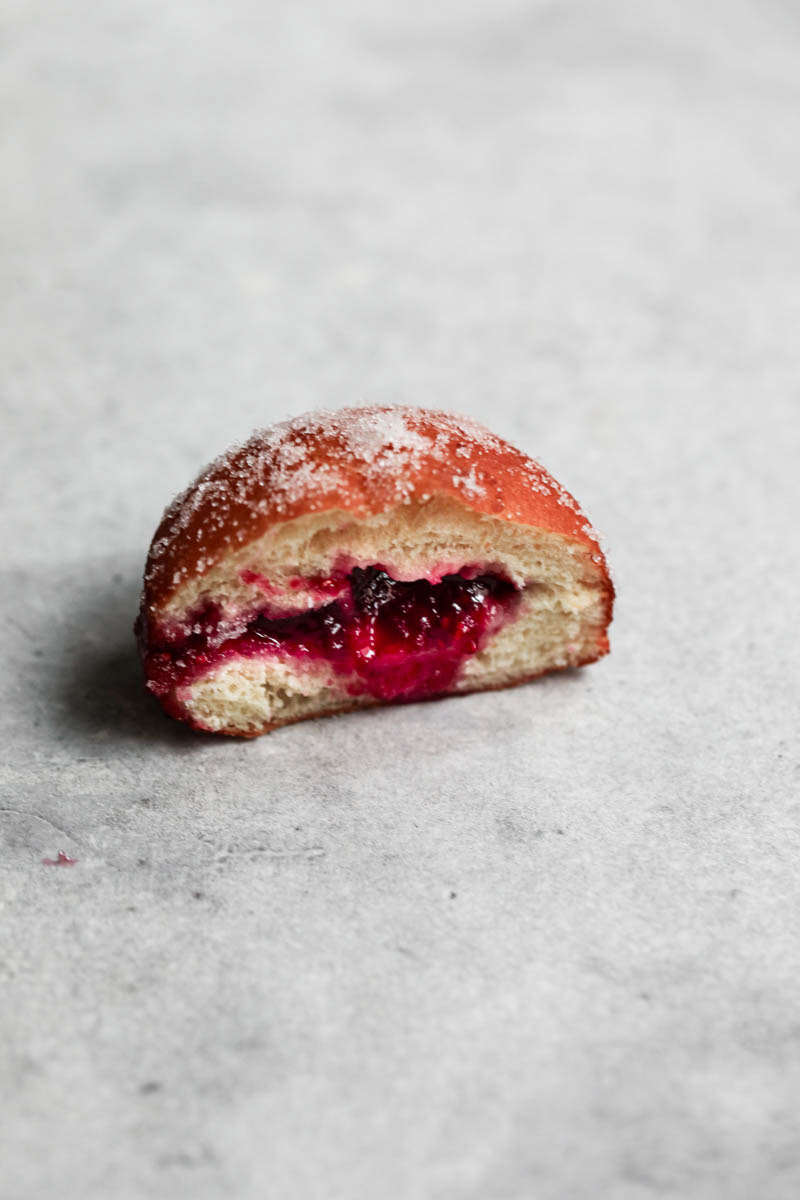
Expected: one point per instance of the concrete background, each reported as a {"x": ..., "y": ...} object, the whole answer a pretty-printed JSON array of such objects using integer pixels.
[{"x": 540, "y": 945}]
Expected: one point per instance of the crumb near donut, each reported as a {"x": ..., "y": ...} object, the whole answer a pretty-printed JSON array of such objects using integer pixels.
[{"x": 63, "y": 860}]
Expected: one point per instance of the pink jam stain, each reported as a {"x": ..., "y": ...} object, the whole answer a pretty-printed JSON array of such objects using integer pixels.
[
  {"x": 63, "y": 860},
  {"x": 254, "y": 579},
  {"x": 396, "y": 640},
  {"x": 323, "y": 585},
  {"x": 326, "y": 585}
]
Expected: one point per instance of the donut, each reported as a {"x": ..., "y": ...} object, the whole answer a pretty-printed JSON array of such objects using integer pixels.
[{"x": 364, "y": 556}]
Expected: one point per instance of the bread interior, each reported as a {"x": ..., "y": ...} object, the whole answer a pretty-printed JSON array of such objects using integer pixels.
[{"x": 559, "y": 620}]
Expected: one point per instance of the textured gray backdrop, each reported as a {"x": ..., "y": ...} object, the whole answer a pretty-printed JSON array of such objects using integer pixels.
[{"x": 540, "y": 945}]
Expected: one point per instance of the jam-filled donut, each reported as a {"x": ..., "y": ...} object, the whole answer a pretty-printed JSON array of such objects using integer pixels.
[{"x": 366, "y": 556}]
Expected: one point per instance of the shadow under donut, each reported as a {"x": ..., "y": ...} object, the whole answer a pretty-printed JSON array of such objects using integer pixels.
[{"x": 84, "y": 683}]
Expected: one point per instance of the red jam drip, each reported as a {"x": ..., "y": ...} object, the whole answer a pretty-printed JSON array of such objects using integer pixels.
[
  {"x": 394, "y": 640},
  {"x": 63, "y": 860}
]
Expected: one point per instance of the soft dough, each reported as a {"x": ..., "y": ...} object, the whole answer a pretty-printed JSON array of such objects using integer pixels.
[{"x": 363, "y": 556}]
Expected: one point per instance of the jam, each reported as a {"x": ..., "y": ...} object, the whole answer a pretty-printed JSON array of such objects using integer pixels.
[
  {"x": 393, "y": 640},
  {"x": 63, "y": 860}
]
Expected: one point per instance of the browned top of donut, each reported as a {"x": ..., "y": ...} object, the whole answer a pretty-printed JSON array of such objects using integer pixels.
[{"x": 360, "y": 460}]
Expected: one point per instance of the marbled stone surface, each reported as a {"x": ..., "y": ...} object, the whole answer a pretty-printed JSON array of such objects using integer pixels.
[{"x": 538, "y": 945}]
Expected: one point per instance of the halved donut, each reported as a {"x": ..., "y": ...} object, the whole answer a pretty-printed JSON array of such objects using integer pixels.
[{"x": 365, "y": 556}]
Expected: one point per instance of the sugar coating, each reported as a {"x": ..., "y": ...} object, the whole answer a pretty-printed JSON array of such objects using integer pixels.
[{"x": 306, "y": 460}]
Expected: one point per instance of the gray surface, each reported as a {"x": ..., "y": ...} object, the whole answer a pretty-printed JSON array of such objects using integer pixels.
[{"x": 539, "y": 945}]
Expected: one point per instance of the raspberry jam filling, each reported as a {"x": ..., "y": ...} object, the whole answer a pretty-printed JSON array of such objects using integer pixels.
[{"x": 393, "y": 640}]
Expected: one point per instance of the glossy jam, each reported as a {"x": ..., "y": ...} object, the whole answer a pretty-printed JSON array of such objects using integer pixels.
[{"x": 393, "y": 640}]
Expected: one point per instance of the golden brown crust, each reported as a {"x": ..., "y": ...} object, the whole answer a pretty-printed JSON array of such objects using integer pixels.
[{"x": 363, "y": 461}]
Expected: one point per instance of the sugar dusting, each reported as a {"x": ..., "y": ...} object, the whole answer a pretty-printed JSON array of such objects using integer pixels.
[
  {"x": 306, "y": 460},
  {"x": 373, "y": 437}
]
